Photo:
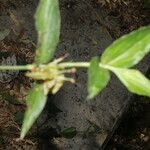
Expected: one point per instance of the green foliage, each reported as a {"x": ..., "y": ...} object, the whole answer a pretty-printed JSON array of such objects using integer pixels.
[
  {"x": 124, "y": 53},
  {"x": 97, "y": 78},
  {"x": 69, "y": 132},
  {"x": 47, "y": 21},
  {"x": 128, "y": 50},
  {"x": 36, "y": 101},
  {"x": 134, "y": 80}
]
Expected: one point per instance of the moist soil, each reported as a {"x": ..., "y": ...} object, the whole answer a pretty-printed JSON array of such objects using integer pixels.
[{"x": 120, "y": 122}]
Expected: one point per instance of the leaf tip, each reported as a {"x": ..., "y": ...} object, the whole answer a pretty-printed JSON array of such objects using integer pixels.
[
  {"x": 22, "y": 135},
  {"x": 91, "y": 95}
]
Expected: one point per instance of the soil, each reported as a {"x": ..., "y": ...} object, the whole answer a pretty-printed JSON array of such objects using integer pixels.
[
  {"x": 68, "y": 122},
  {"x": 133, "y": 132}
]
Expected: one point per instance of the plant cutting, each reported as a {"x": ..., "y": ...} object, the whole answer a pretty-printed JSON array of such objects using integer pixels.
[{"x": 50, "y": 75}]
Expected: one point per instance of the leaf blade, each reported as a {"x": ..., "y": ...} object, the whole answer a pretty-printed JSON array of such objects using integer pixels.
[
  {"x": 97, "y": 78},
  {"x": 69, "y": 133},
  {"x": 47, "y": 19},
  {"x": 36, "y": 101},
  {"x": 134, "y": 81},
  {"x": 128, "y": 50}
]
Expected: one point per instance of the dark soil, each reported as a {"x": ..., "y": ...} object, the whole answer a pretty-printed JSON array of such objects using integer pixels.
[{"x": 133, "y": 132}]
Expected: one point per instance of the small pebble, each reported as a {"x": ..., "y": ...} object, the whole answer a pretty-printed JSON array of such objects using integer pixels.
[{"x": 146, "y": 139}]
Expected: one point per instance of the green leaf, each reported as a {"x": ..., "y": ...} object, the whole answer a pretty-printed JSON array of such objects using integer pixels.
[
  {"x": 48, "y": 27},
  {"x": 97, "y": 78},
  {"x": 128, "y": 50},
  {"x": 134, "y": 80},
  {"x": 36, "y": 101},
  {"x": 69, "y": 132}
]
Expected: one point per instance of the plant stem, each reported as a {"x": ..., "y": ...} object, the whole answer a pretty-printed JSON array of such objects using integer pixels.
[
  {"x": 64, "y": 65},
  {"x": 75, "y": 64},
  {"x": 26, "y": 67},
  {"x": 84, "y": 65}
]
